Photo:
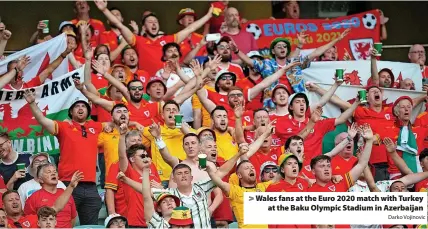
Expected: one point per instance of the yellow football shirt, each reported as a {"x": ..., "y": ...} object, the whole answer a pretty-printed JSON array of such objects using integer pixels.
[
  {"x": 236, "y": 196},
  {"x": 173, "y": 139},
  {"x": 226, "y": 145},
  {"x": 196, "y": 104}
]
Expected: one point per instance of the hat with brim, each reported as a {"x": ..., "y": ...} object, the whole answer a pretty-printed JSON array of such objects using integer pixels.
[
  {"x": 283, "y": 158},
  {"x": 202, "y": 129},
  {"x": 77, "y": 102},
  {"x": 266, "y": 164},
  {"x": 110, "y": 218},
  {"x": 293, "y": 96},
  {"x": 220, "y": 74},
  {"x": 184, "y": 12},
  {"x": 66, "y": 23},
  {"x": 37, "y": 155},
  {"x": 278, "y": 86},
  {"x": 128, "y": 72},
  {"x": 164, "y": 195},
  {"x": 155, "y": 80},
  {"x": 280, "y": 39},
  {"x": 70, "y": 33},
  {"x": 252, "y": 54},
  {"x": 181, "y": 216}
]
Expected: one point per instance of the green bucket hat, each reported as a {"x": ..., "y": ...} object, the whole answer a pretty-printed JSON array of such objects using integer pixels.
[{"x": 276, "y": 41}]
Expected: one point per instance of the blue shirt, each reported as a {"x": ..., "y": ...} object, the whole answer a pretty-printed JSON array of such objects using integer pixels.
[{"x": 268, "y": 67}]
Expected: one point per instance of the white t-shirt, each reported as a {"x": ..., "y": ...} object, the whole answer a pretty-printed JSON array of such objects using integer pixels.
[
  {"x": 186, "y": 108},
  {"x": 28, "y": 188}
]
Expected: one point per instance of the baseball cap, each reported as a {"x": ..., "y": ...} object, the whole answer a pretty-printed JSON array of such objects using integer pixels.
[
  {"x": 111, "y": 217},
  {"x": 202, "y": 129},
  {"x": 219, "y": 74},
  {"x": 181, "y": 216},
  {"x": 70, "y": 33},
  {"x": 283, "y": 158},
  {"x": 278, "y": 86},
  {"x": 255, "y": 53},
  {"x": 154, "y": 80},
  {"x": 184, "y": 12}
]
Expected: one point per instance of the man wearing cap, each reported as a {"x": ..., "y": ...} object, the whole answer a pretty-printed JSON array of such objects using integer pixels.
[
  {"x": 130, "y": 59},
  {"x": 280, "y": 95},
  {"x": 149, "y": 46},
  {"x": 280, "y": 50},
  {"x": 116, "y": 221},
  {"x": 29, "y": 187},
  {"x": 8, "y": 164},
  {"x": 48, "y": 194},
  {"x": 67, "y": 26},
  {"x": 223, "y": 49},
  {"x": 252, "y": 79},
  {"x": 88, "y": 201},
  {"x": 244, "y": 39},
  {"x": 322, "y": 170},
  {"x": 81, "y": 9},
  {"x": 175, "y": 76},
  {"x": 185, "y": 18},
  {"x": 17, "y": 83}
]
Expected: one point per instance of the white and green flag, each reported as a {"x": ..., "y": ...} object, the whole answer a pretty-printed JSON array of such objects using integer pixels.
[{"x": 53, "y": 98}]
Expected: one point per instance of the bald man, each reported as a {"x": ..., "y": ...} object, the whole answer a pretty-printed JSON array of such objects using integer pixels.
[
  {"x": 244, "y": 40},
  {"x": 417, "y": 56},
  {"x": 407, "y": 84}
]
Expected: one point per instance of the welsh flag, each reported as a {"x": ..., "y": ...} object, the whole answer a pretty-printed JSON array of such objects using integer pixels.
[
  {"x": 40, "y": 57},
  {"x": 53, "y": 98}
]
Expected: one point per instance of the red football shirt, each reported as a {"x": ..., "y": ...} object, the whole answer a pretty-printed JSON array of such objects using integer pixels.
[
  {"x": 74, "y": 147},
  {"x": 42, "y": 198},
  {"x": 145, "y": 113},
  {"x": 422, "y": 186},
  {"x": 114, "y": 184},
  {"x": 189, "y": 43},
  {"x": 422, "y": 121},
  {"x": 98, "y": 81},
  {"x": 246, "y": 84},
  {"x": 283, "y": 186},
  {"x": 98, "y": 29},
  {"x": 378, "y": 122},
  {"x": 135, "y": 202},
  {"x": 235, "y": 69},
  {"x": 34, "y": 82},
  {"x": 342, "y": 186},
  {"x": 141, "y": 75},
  {"x": 340, "y": 166},
  {"x": 250, "y": 138},
  {"x": 110, "y": 38},
  {"x": 150, "y": 52},
  {"x": 259, "y": 158},
  {"x": 26, "y": 221}
]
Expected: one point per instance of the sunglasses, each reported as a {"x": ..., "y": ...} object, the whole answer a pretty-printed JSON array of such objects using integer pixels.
[
  {"x": 226, "y": 77},
  {"x": 236, "y": 95},
  {"x": 84, "y": 133},
  {"x": 134, "y": 88},
  {"x": 268, "y": 170},
  {"x": 142, "y": 156},
  {"x": 223, "y": 47}
]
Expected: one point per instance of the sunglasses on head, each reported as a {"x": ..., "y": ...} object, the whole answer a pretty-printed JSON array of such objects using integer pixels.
[
  {"x": 268, "y": 170},
  {"x": 226, "y": 77},
  {"x": 134, "y": 88}
]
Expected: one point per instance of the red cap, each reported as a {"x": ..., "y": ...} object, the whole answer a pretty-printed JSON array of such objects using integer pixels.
[
  {"x": 403, "y": 98},
  {"x": 184, "y": 12}
]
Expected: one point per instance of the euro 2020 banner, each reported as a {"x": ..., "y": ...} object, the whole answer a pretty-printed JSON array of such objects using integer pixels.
[{"x": 365, "y": 30}]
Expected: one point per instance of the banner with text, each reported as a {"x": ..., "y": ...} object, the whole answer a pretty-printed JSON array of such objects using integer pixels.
[
  {"x": 358, "y": 72},
  {"x": 53, "y": 98},
  {"x": 41, "y": 56},
  {"x": 365, "y": 30}
]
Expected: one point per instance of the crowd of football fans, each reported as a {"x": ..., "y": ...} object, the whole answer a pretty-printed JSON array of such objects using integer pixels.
[{"x": 180, "y": 127}]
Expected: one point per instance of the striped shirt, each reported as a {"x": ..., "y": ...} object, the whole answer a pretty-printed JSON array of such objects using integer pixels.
[
  {"x": 197, "y": 202},
  {"x": 157, "y": 222}
]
